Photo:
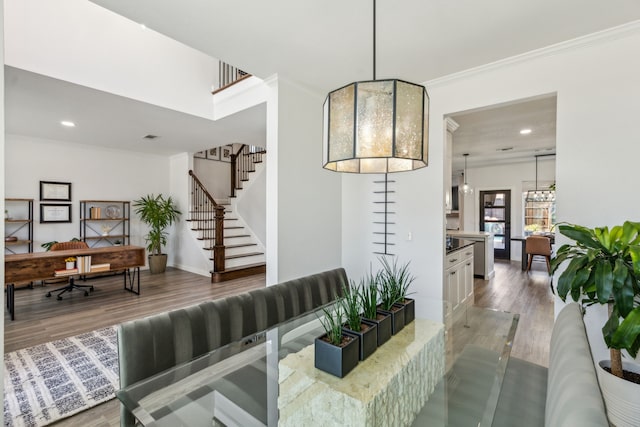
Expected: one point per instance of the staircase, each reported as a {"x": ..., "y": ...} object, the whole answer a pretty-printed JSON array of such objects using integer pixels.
[{"x": 235, "y": 251}]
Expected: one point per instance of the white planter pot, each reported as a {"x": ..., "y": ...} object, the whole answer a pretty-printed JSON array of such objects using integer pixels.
[
  {"x": 621, "y": 397},
  {"x": 70, "y": 265}
]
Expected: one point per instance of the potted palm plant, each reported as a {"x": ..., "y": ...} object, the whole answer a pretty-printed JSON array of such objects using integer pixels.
[
  {"x": 336, "y": 352},
  {"x": 604, "y": 268},
  {"x": 366, "y": 331},
  {"x": 158, "y": 213},
  {"x": 368, "y": 293}
]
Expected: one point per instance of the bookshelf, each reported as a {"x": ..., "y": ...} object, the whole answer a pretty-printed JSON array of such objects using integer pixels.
[
  {"x": 105, "y": 222},
  {"x": 18, "y": 226}
]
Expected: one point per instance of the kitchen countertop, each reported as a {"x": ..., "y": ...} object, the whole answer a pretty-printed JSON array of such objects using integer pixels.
[{"x": 457, "y": 244}]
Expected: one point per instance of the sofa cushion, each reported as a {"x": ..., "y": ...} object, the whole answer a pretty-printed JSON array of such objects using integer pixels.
[{"x": 573, "y": 394}]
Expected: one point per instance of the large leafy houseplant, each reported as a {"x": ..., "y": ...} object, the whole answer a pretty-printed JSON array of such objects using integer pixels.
[
  {"x": 604, "y": 268},
  {"x": 158, "y": 213}
]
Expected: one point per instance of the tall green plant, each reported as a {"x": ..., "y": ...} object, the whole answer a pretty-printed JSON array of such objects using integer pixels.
[
  {"x": 395, "y": 280},
  {"x": 368, "y": 293},
  {"x": 351, "y": 306},
  {"x": 604, "y": 268},
  {"x": 158, "y": 213},
  {"x": 332, "y": 322}
]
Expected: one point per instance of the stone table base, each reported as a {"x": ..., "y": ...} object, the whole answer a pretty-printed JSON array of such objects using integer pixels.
[{"x": 388, "y": 388}]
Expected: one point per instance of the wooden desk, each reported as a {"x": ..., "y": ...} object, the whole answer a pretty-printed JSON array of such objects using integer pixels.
[{"x": 24, "y": 268}]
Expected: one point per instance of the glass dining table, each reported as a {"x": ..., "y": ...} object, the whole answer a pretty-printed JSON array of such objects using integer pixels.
[{"x": 249, "y": 382}]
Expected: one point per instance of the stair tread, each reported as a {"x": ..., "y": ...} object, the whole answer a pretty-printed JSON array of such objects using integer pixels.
[
  {"x": 241, "y": 267},
  {"x": 240, "y": 245},
  {"x": 249, "y": 254}
]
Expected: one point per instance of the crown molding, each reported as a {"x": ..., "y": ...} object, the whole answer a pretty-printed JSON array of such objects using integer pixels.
[
  {"x": 452, "y": 125},
  {"x": 592, "y": 39}
]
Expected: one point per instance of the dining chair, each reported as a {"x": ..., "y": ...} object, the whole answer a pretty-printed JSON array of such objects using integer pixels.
[{"x": 538, "y": 246}]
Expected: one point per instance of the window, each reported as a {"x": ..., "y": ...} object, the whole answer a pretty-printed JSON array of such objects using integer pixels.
[{"x": 538, "y": 216}]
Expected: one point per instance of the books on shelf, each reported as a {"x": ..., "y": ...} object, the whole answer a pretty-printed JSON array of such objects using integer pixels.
[
  {"x": 83, "y": 263},
  {"x": 65, "y": 272},
  {"x": 100, "y": 267}
]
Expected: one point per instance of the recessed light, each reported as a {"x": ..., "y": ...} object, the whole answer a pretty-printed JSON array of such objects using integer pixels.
[
  {"x": 68, "y": 124},
  {"x": 150, "y": 136},
  {"x": 525, "y": 131}
]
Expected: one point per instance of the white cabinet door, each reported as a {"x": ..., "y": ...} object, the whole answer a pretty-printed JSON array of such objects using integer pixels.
[
  {"x": 453, "y": 278},
  {"x": 468, "y": 280}
]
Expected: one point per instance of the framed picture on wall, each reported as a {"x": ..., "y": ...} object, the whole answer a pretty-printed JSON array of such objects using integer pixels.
[
  {"x": 225, "y": 155},
  {"x": 55, "y": 213},
  {"x": 51, "y": 191},
  {"x": 200, "y": 155},
  {"x": 213, "y": 153}
]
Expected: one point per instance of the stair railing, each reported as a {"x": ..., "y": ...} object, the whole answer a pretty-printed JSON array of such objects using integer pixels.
[
  {"x": 242, "y": 163},
  {"x": 228, "y": 75},
  {"x": 205, "y": 211}
]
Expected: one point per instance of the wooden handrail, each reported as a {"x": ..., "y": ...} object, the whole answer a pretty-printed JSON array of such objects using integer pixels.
[{"x": 205, "y": 211}]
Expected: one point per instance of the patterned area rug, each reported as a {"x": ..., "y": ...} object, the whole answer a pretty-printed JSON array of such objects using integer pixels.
[{"x": 51, "y": 381}]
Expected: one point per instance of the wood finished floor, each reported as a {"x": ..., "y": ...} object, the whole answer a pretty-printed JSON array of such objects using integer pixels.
[
  {"x": 41, "y": 319},
  {"x": 529, "y": 295}
]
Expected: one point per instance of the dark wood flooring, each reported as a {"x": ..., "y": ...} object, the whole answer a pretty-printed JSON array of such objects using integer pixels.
[
  {"x": 528, "y": 294},
  {"x": 40, "y": 319}
]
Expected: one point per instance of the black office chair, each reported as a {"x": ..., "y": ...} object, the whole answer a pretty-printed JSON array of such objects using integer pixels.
[{"x": 63, "y": 246}]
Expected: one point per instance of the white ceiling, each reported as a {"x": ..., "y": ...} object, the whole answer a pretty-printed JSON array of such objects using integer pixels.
[
  {"x": 35, "y": 105},
  {"x": 491, "y": 135},
  {"x": 322, "y": 45}
]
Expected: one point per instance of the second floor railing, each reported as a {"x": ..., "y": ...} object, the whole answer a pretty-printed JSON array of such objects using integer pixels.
[
  {"x": 209, "y": 219},
  {"x": 228, "y": 75}
]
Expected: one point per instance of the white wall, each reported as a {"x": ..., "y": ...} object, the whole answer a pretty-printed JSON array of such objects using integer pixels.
[
  {"x": 517, "y": 177},
  {"x": 303, "y": 200},
  {"x": 251, "y": 203},
  {"x": 2, "y": 191},
  {"x": 596, "y": 81},
  {"x": 94, "y": 174},
  {"x": 215, "y": 176},
  {"x": 80, "y": 42}
]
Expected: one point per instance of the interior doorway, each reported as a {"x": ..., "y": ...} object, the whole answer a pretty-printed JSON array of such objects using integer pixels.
[{"x": 495, "y": 217}]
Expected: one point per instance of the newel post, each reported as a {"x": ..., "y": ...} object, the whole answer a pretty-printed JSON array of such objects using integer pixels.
[{"x": 218, "y": 247}]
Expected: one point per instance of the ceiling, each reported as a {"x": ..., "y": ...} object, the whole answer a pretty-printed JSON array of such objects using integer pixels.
[
  {"x": 321, "y": 45},
  {"x": 35, "y": 105},
  {"x": 492, "y": 136}
]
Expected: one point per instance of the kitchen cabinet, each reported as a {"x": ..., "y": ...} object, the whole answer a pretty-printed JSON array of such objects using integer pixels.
[
  {"x": 458, "y": 282},
  {"x": 482, "y": 251}
]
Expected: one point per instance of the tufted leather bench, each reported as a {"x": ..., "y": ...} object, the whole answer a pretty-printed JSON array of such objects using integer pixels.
[{"x": 156, "y": 343}]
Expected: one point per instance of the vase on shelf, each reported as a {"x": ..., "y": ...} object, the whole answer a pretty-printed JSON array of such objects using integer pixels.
[{"x": 70, "y": 265}]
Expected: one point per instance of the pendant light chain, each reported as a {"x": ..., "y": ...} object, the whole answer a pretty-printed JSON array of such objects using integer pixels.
[{"x": 374, "y": 39}]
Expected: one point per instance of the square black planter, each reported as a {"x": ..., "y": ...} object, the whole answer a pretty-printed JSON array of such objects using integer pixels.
[
  {"x": 409, "y": 310},
  {"x": 338, "y": 361},
  {"x": 368, "y": 338},
  {"x": 397, "y": 318},
  {"x": 383, "y": 322}
]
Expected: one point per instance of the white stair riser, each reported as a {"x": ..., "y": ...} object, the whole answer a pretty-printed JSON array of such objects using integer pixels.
[
  {"x": 237, "y": 262},
  {"x": 241, "y": 250}
]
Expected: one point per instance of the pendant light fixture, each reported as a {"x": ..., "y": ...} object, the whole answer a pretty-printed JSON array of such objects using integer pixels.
[
  {"x": 540, "y": 195},
  {"x": 465, "y": 188},
  {"x": 376, "y": 126}
]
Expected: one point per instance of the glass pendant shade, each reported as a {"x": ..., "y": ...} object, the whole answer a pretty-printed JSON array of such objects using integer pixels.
[
  {"x": 378, "y": 126},
  {"x": 465, "y": 189}
]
